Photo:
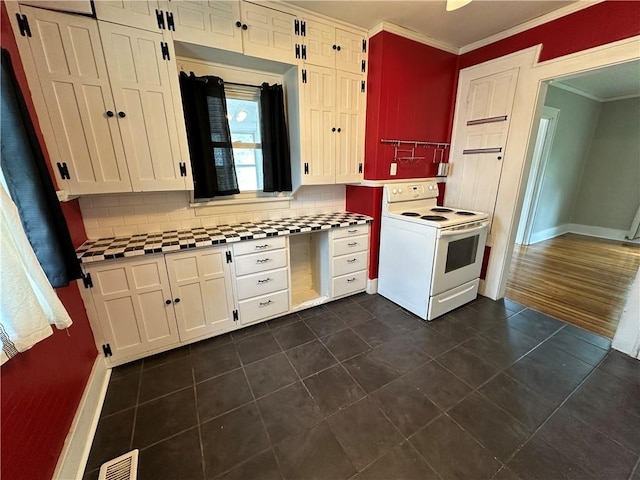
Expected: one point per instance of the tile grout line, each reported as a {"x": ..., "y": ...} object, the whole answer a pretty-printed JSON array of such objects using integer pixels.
[{"x": 195, "y": 397}]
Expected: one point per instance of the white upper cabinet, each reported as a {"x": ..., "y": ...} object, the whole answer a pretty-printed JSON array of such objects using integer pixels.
[
  {"x": 326, "y": 45},
  {"x": 137, "y": 13},
  {"x": 139, "y": 69},
  {"x": 74, "y": 6},
  {"x": 212, "y": 23},
  {"x": 268, "y": 33},
  {"x": 350, "y": 121},
  {"x": 67, "y": 53}
]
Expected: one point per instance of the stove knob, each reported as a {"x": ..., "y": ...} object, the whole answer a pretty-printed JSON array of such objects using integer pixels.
[
  {"x": 430, "y": 187},
  {"x": 394, "y": 191},
  {"x": 399, "y": 190}
]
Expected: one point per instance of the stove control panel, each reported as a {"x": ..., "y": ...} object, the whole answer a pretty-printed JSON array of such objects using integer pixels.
[{"x": 402, "y": 192}]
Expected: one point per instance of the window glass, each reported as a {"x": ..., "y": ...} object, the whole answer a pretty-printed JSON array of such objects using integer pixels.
[{"x": 243, "y": 113}]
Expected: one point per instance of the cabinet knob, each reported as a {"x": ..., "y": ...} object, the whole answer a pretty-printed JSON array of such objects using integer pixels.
[
  {"x": 122, "y": 114},
  {"x": 176, "y": 300},
  {"x": 339, "y": 130},
  {"x": 335, "y": 47},
  {"x": 168, "y": 302},
  {"x": 339, "y": 48},
  {"x": 238, "y": 24},
  {"x": 333, "y": 129},
  {"x": 244, "y": 26},
  {"x": 110, "y": 113},
  {"x": 500, "y": 157}
]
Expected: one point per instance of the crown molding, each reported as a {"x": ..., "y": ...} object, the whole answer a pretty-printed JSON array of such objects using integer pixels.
[
  {"x": 415, "y": 36},
  {"x": 561, "y": 12},
  {"x": 622, "y": 97},
  {"x": 577, "y": 91}
]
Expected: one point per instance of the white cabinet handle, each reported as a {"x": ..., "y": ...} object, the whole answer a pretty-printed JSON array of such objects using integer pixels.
[
  {"x": 264, "y": 281},
  {"x": 263, "y": 260},
  {"x": 352, "y": 260},
  {"x": 261, "y": 247},
  {"x": 264, "y": 304},
  {"x": 349, "y": 280},
  {"x": 352, "y": 244}
]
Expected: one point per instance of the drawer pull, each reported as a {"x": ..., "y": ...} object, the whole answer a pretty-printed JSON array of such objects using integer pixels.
[
  {"x": 262, "y": 247},
  {"x": 264, "y": 281},
  {"x": 352, "y": 244},
  {"x": 264, "y": 304},
  {"x": 352, "y": 231},
  {"x": 263, "y": 260},
  {"x": 349, "y": 280},
  {"x": 353, "y": 260}
]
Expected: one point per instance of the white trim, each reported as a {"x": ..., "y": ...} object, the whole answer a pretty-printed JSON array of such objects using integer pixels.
[
  {"x": 577, "y": 91},
  {"x": 415, "y": 36},
  {"x": 548, "y": 234},
  {"x": 601, "y": 232},
  {"x": 77, "y": 445},
  {"x": 240, "y": 199},
  {"x": 627, "y": 337},
  {"x": 372, "y": 286},
  {"x": 622, "y": 97},
  {"x": 536, "y": 22},
  {"x": 382, "y": 183}
]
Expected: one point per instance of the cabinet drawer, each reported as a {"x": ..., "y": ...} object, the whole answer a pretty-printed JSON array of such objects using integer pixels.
[
  {"x": 349, "y": 263},
  {"x": 260, "y": 262},
  {"x": 265, "y": 306},
  {"x": 262, "y": 283},
  {"x": 350, "y": 283},
  {"x": 349, "y": 245},
  {"x": 351, "y": 231},
  {"x": 260, "y": 245}
]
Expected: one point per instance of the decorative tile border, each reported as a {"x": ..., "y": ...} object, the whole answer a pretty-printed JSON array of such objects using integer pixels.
[{"x": 147, "y": 243}]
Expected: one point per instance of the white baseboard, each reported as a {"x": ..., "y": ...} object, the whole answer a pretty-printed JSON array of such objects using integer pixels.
[
  {"x": 372, "y": 286},
  {"x": 548, "y": 233},
  {"x": 601, "y": 232},
  {"x": 75, "y": 453}
]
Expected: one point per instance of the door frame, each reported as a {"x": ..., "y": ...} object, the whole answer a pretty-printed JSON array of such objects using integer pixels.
[
  {"x": 541, "y": 154},
  {"x": 528, "y": 105}
]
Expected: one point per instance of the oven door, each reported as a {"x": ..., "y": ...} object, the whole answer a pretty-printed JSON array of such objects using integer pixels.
[{"x": 459, "y": 254}]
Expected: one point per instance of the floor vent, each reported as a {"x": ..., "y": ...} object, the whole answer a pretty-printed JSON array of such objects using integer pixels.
[{"x": 124, "y": 467}]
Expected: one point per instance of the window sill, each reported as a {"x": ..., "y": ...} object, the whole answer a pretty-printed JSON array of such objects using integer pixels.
[{"x": 243, "y": 199}]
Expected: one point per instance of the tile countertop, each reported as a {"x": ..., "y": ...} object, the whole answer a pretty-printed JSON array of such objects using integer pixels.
[{"x": 147, "y": 243}]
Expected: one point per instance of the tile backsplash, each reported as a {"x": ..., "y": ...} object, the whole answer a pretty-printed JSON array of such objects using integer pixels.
[{"x": 130, "y": 213}]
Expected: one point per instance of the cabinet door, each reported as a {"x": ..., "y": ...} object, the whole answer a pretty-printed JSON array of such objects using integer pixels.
[
  {"x": 71, "y": 68},
  {"x": 137, "y": 13},
  {"x": 75, "y": 6},
  {"x": 142, "y": 91},
  {"x": 320, "y": 44},
  {"x": 201, "y": 280},
  {"x": 318, "y": 130},
  {"x": 210, "y": 23},
  {"x": 350, "y": 120},
  {"x": 130, "y": 299},
  {"x": 349, "y": 57},
  {"x": 269, "y": 33}
]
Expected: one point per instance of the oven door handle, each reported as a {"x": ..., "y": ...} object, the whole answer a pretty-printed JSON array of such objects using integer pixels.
[{"x": 452, "y": 233}]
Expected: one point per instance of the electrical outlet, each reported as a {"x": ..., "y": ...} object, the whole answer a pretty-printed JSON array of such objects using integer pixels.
[{"x": 394, "y": 169}]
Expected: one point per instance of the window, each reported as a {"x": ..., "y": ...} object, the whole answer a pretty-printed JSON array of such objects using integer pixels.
[{"x": 243, "y": 113}]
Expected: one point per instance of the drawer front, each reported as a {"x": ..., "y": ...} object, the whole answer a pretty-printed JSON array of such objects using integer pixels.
[
  {"x": 350, "y": 283},
  {"x": 262, "y": 283},
  {"x": 260, "y": 245},
  {"x": 349, "y": 263},
  {"x": 351, "y": 231},
  {"x": 345, "y": 246},
  {"x": 260, "y": 262},
  {"x": 262, "y": 307}
]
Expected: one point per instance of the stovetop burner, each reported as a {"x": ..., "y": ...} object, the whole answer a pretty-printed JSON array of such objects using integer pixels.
[
  {"x": 410, "y": 214},
  {"x": 435, "y": 218},
  {"x": 462, "y": 212},
  {"x": 441, "y": 210}
]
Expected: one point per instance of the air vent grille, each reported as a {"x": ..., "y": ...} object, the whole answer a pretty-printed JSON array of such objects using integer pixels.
[{"x": 124, "y": 467}]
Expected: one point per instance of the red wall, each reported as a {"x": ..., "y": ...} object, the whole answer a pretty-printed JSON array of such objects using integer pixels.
[
  {"x": 41, "y": 388},
  {"x": 409, "y": 97},
  {"x": 599, "y": 24}
]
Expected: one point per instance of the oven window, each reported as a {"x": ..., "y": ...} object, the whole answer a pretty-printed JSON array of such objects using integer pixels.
[{"x": 461, "y": 253}]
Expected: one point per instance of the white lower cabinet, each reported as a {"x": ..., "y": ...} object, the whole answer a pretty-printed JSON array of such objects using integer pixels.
[
  {"x": 201, "y": 290},
  {"x": 145, "y": 305}
]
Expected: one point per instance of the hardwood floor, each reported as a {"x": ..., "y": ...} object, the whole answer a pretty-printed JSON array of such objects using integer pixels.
[{"x": 581, "y": 280}]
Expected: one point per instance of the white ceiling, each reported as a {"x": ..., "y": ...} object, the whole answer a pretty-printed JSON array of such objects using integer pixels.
[
  {"x": 474, "y": 22},
  {"x": 610, "y": 83}
]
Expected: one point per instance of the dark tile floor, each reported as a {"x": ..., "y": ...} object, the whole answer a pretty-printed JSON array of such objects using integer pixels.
[{"x": 361, "y": 389}]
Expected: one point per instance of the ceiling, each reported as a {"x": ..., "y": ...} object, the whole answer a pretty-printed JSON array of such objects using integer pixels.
[
  {"x": 617, "y": 81},
  {"x": 474, "y": 22}
]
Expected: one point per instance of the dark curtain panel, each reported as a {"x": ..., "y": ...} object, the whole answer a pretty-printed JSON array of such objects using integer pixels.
[
  {"x": 30, "y": 185},
  {"x": 210, "y": 148},
  {"x": 276, "y": 158}
]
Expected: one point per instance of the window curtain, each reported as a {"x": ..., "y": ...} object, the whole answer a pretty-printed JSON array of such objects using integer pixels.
[
  {"x": 210, "y": 148},
  {"x": 30, "y": 185},
  {"x": 276, "y": 157}
]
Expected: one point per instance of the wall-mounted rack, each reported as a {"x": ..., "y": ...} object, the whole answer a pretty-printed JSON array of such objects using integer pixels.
[{"x": 405, "y": 150}]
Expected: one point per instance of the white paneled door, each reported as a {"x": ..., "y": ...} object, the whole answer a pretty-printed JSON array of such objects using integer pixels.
[
  {"x": 202, "y": 293},
  {"x": 350, "y": 120},
  {"x": 269, "y": 34},
  {"x": 72, "y": 72},
  {"x": 481, "y": 127},
  {"x": 139, "y": 68},
  {"x": 135, "y": 13}
]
